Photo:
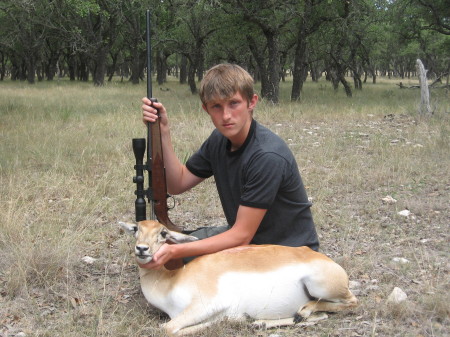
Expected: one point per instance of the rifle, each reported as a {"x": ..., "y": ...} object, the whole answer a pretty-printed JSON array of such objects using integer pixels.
[{"x": 157, "y": 190}]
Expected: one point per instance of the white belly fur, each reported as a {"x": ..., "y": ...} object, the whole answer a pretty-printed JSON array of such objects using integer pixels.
[
  {"x": 271, "y": 295},
  {"x": 274, "y": 294}
]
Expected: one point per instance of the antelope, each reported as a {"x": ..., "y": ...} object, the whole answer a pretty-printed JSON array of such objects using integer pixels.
[{"x": 274, "y": 285}]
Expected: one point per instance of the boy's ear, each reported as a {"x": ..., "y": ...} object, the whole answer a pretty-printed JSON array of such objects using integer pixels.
[
  {"x": 204, "y": 107},
  {"x": 253, "y": 101}
]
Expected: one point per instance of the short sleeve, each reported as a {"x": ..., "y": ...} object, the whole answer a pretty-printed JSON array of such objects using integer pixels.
[{"x": 199, "y": 163}]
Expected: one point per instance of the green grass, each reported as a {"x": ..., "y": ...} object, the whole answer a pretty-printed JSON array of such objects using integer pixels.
[{"x": 66, "y": 169}]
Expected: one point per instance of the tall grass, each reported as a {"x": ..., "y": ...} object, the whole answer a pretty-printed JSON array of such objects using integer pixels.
[{"x": 66, "y": 168}]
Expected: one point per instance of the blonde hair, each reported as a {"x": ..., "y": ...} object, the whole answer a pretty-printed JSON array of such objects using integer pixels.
[{"x": 223, "y": 81}]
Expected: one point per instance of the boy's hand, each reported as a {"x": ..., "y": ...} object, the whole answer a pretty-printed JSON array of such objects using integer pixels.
[
  {"x": 150, "y": 112},
  {"x": 161, "y": 257}
]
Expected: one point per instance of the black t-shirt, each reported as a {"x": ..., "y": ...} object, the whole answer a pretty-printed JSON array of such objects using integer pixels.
[{"x": 262, "y": 173}]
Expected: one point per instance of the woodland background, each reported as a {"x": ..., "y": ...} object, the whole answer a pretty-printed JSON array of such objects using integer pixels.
[{"x": 96, "y": 39}]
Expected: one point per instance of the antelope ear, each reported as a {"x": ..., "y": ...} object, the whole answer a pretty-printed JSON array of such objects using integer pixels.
[
  {"x": 130, "y": 228},
  {"x": 180, "y": 237}
]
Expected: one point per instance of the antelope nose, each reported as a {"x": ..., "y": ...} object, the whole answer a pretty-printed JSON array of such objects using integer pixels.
[{"x": 140, "y": 250}]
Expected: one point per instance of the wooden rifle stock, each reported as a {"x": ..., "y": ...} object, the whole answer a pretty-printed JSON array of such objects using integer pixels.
[
  {"x": 158, "y": 176},
  {"x": 157, "y": 191}
]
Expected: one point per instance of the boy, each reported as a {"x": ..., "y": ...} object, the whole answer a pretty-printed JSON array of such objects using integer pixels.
[{"x": 256, "y": 174}]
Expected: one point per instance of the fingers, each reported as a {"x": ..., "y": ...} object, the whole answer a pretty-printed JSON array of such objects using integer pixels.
[
  {"x": 151, "y": 111},
  {"x": 160, "y": 258}
]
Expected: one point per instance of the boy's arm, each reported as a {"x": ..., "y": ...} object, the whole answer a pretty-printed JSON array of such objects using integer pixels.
[
  {"x": 247, "y": 222},
  {"x": 179, "y": 178}
]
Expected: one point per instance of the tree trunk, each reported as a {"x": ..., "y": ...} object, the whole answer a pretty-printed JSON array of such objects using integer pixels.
[
  {"x": 100, "y": 67},
  {"x": 200, "y": 67},
  {"x": 50, "y": 70},
  {"x": 357, "y": 80},
  {"x": 135, "y": 66},
  {"x": 425, "y": 107},
  {"x": 273, "y": 68},
  {"x": 334, "y": 79},
  {"x": 261, "y": 74},
  {"x": 300, "y": 68},
  {"x": 31, "y": 69},
  {"x": 161, "y": 67},
  {"x": 191, "y": 77},
  {"x": 347, "y": 88},
  {"x": 3, "y": 66},
  {"x": 183, "y": 69},
  {"x": 83, "y": 70},
  {"x": 112, "y": 68},
  {"x": 40, "y": 71}
]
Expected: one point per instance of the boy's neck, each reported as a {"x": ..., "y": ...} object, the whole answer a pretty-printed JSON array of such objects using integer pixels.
[{"x": 237, "y": 144}]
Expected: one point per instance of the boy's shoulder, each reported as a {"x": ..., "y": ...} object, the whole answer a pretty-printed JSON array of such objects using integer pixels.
[{"x": 269, "y": 141}]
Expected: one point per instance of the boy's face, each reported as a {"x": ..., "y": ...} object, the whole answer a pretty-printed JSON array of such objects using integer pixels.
[{"x": 232, "y": 116}]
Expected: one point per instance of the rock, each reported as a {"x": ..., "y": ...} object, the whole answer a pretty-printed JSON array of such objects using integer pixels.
[
  {"x": 397, "y": 296},
  {"x": 401, "y": 260},
  {"x": 389, "y": 200},
  {"x": 354, "y": 284},
  {"x": 405, "y": 213},
  {"x": 372, "y": 287},
  {"x": 88, "y": 260}
]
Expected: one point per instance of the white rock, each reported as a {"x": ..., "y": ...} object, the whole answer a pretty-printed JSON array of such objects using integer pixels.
[
  {"x": 354, "y": 284},
  {"x": 389, "y": 200},
  {"x": 404, "y": 213},
  {"x": 372, "y": 287},
  {"x": 397, "y": 296},
  {"x": 88, "y": 260},
  {"x": 401, "y": 260}
]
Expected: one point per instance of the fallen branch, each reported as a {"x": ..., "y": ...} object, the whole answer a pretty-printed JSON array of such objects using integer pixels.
[
  {"x": 439, "y": 80},
  {"x": 410, "y": 87}
]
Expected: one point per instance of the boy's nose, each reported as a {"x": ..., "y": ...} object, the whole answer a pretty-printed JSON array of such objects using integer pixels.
[{"x": 226, "y": 113}]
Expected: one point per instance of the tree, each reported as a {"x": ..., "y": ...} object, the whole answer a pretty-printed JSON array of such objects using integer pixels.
[
  {"x": 311, "y": 15},
  {"x": 24, "y": 36},
  {"x": 193, "y": 27},
  {"x": 435, "y": 14},
  {"x": 267, "y": 18},
  {"x": 270, "y": 38}
]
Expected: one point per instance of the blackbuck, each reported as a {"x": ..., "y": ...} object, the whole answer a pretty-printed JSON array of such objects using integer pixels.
[{"x": 275, "y": 285}]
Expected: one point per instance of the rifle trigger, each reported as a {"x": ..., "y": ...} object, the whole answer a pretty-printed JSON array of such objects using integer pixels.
[{"x": 173, "y": 201}]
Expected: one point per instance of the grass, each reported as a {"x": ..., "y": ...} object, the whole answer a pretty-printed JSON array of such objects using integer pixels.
[{"x": 66, "y": 170}]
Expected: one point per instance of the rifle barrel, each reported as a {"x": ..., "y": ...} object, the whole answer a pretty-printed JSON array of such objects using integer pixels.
[{"x": 149, "y": 56}]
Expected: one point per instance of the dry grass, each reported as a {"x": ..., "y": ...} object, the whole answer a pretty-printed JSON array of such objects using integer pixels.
[{"x": 66, "y": 170}]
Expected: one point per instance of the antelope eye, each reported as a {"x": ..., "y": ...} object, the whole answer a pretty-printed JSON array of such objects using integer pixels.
[{"x": 164, "y": 234}]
